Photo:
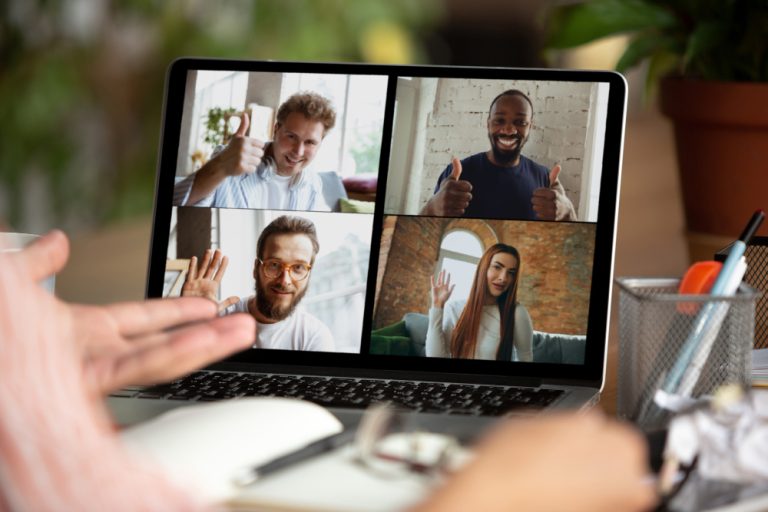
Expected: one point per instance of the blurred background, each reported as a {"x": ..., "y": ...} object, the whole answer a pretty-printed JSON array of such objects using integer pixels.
[
  {"x": 81, "y": 91},
  {"x": 81, "y": 82}
]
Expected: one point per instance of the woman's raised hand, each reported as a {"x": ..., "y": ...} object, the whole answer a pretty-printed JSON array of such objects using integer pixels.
[{"x": 441, "y": 289}]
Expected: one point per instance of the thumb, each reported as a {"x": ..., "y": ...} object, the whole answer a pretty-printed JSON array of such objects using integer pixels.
[
  {"x": 46, "y": 255},
  {"x": 456, "y": 172},
  {"x": 553, "y": 174},
  {"x": 228, "y": 302},
  {"x": 242, "y": 129}
]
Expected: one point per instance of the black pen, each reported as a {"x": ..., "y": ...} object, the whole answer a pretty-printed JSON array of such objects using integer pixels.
[
  {"x": 324, "y": 445},
  {"x": 752, "y": 225}
]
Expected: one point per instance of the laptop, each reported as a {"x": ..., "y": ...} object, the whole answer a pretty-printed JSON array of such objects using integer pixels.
[{"x": 441, "y": 238}]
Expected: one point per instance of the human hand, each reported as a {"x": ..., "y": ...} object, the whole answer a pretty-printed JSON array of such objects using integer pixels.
[
  {"x": 551, "y": 203},
  {"x": 442, "y": 289},
  {"x": 453, "y": 197},
  {"x": 243, "y": 154},
  {"x": 121, "y": 344},
  {"x": 575, "y": 462},
  {"x": 544, "y": 199},
  {"x": 205, "y": 280}
]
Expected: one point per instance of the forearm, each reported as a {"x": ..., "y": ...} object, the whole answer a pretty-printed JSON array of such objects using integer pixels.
[
  {"x": 58, "y": 454},
  {"x": 523, "y": 339},
  {"x": 437, "y": 340},
  {"x": 428, "y": 209},
  {"x": 207, "y": 179},
  {"x": 524, "y": 348}
]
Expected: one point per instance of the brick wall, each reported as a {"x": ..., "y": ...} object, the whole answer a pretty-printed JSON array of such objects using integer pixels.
[
  {"x": 555, "y": 272},
  {"x": 457, "y": 126},
  {"x": 413, "y": 250}
]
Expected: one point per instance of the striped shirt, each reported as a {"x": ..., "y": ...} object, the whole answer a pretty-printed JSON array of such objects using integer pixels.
[{"x": 257, "y": 190}]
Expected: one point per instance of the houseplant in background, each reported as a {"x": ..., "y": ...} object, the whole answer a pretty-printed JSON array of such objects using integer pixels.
[
  {"x": 709, "y": 61},
  {"x": 81, "y": 86}
]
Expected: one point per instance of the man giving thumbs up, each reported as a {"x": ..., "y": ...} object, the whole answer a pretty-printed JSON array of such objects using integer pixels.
[
  {"x": 250, "y": 173},
  {"x": 501, "y": 183}
]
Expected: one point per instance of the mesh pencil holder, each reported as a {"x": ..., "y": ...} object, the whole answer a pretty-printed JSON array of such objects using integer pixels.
[
  {"x": 756, "y": 277},
  {"x": 655, "y": 324}
]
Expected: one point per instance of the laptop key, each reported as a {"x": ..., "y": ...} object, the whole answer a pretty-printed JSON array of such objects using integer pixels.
[{"x": 342, "y": 392}]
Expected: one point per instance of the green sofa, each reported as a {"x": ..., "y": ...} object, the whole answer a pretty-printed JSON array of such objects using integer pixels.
[{"x": 408, "y": 336}]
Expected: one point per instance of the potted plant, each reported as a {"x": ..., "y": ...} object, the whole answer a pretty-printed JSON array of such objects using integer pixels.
[
  {"x": 710, "y": 61},
  {"x": 217, "y": 125}
]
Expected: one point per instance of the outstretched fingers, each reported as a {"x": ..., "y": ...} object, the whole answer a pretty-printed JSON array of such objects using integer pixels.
[
  {"x": 202, "y": 272},
  {"x": 222, "y": 267},
  {"x": 175, "y": 353},
  {"x": 214, "y": 266},
  {"x": 143, "y": 318},
  {"x": 192, "y": 270}
]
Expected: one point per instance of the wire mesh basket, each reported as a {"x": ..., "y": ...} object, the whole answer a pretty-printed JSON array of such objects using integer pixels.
[
  {"x": 756, "y": 277},
  {"x": 654, "y": 324}
]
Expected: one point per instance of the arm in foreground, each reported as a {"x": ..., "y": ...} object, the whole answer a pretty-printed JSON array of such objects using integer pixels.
[
  {"x": 57, "y": 445},
  {"x": 140, "y": 342},
  {"x": 575, "y": 462}
]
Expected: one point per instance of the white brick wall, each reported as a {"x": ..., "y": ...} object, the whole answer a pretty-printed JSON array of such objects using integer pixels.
[{"x": 457, "y": 127}]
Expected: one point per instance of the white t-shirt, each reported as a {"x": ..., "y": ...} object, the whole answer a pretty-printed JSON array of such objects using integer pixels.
[
  {"x": 300, "y": 331},
  {"x": 277, "y": 192},
  {"x": 441, "y": 325}
]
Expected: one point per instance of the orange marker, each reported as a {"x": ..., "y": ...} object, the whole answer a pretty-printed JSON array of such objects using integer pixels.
[{"x": 698, "y": 279}]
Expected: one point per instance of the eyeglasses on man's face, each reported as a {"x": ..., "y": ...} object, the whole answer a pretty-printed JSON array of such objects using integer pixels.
[{"x": 273, "y": 268}]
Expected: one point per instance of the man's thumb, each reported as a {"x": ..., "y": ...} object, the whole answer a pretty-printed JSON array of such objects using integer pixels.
[
  {"x": 456, "y": 172},
  {"x": 553, "y": 174},
  {"x": 242, "y": 129}
]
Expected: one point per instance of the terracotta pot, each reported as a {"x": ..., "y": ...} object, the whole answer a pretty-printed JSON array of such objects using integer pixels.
[{"x": 721, "y": 133}]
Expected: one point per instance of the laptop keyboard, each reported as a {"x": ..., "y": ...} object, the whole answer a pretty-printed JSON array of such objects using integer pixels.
[{"x": 466, "y": 399}]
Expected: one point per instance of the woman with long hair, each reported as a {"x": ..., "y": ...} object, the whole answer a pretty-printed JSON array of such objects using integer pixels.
[{"x": 490, "y": 322}]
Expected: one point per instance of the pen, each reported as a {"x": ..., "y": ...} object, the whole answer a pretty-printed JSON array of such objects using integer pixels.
[
  {"x": 324, "y": 445},
  {"x": 692, "y": 373},
  {"x": 705, "y": 318},
  {"x": 707, "y": 323}
]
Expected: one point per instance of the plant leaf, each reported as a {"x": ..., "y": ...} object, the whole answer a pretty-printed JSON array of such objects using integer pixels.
[
  {"x": 660, "y": 64},
  {"x": 704, "y": 38},
  {"x": 574, "y": 25},
  {"x": 641, "y": 47}
]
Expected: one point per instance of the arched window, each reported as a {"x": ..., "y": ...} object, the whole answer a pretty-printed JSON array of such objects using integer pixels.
[{"x": 460, "y": 251}]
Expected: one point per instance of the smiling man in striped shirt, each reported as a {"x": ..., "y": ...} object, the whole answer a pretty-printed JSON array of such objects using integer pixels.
[{"x": 250, "y": 173}]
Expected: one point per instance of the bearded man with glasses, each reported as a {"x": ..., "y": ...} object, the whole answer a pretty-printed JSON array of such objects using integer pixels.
[{"x": 285, "y": 253}]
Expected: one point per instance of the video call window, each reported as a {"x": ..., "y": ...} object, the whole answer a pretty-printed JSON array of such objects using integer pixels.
[
  {"x": 437, "y": 119},
  {"x": 340, "y": 156},
  {"x": 549, "y": 274},
  {"x": 335, "y": 286}
]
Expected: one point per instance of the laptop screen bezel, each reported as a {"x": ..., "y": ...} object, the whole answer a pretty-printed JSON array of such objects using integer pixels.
[{"x": 589, "y": 373}]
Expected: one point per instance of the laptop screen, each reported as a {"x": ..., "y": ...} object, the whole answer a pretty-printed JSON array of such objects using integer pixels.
[{"x": 418, "y": 219}]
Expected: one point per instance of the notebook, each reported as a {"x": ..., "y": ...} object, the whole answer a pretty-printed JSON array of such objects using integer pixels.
[{"x": 438, "y": 237}]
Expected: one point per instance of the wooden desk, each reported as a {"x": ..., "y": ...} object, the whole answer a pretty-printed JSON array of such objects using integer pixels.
[{"x": 110, "y": 265}]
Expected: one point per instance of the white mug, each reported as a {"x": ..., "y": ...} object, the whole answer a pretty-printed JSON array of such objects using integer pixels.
[{"x": 15, "y": 242}]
